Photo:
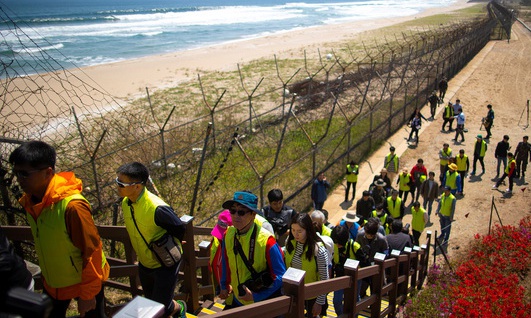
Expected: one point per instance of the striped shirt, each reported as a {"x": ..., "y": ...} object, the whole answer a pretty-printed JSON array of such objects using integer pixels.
[{"x": 322, "y": 265}]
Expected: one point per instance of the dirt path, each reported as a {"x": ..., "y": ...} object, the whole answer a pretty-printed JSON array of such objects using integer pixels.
[{"x": 499, "y": 75}]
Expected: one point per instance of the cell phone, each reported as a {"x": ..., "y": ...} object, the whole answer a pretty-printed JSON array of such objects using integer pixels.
[{"x": 241, "y": 290}]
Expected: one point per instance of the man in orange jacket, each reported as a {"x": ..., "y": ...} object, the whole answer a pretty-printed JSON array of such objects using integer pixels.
[{"x": 66, "y": 239}]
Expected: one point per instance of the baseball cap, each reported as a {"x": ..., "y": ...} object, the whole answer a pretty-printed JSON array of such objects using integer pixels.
[
  {"x": 247, "y": 199},
  {"x": 224, "y": 221}
]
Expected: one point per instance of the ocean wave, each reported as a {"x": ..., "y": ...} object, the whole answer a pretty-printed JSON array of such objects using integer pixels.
[{"x": 33, "y": 50}]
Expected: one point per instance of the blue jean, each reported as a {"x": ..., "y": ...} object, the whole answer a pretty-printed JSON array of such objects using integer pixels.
[
  {"x": 446, "y": 226},
  {"x": 500, "y": 160},
  {"x": 429, "y": 203}
]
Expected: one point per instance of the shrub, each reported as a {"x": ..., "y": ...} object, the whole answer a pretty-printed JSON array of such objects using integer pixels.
[{"x": 488, "y": 283}]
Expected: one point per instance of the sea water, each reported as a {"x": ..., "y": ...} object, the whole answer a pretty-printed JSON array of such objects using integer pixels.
[{"x": 45, "y": 35}]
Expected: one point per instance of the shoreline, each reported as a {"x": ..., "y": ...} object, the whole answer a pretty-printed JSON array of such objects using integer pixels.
[{"x": 129, "y": 79}]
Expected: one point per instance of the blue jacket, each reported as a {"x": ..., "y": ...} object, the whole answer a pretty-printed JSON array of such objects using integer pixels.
[{"x": 319, "y": 190}]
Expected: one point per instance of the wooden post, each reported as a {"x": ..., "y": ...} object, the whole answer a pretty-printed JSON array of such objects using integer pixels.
[
  {"x": 293, "y": 284},
  {"x": 350, "y": 297},
  {"x": 206, "y": 277},
  {"x": 190, "y": 281},
  {"x": 377, "y": 284},
  {"x": 395, "y": 272},
  {"x": 414, "y": 262}
]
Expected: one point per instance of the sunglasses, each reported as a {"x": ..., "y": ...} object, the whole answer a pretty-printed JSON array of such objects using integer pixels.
[
  {"x": 240, "y": 212},
  {"x": 24, "y": 174},
  {"x": 123, "y": 184}
]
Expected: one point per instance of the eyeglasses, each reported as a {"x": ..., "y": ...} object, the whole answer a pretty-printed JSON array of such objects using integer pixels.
[
  {"x": 240, "y": 212},
  {"x": 24, "y": 174},
  {"x": 123, "y": 184}
]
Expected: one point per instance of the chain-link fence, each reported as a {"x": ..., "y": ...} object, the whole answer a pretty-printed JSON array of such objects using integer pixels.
[{"x": 269, "y": 131}]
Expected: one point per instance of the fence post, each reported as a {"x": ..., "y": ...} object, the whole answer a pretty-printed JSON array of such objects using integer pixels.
[
  {"x": 423, "y": 266},
  {"x": 377, "y": 284},
  {"x": 395, "y": 272},
  {"x": 414, "y": 262},
  {"x": 350, "y": 297},
  {"x": 190, "y": 281},
  {"x": 206, "y": 276},
  {"x": 293, "y": 285}
]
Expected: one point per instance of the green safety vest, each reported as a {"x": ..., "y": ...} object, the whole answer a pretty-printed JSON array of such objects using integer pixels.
[
  {"x": 446, "y": 204},
  {"x": 508, "y": 168},
  {"x": 350, "y": 249},
  {"x": 388, "y": 162},
  {"x": 383, "y": 220},
  {"x": 417, "y": 221},
  {"x": 309, "y": 266},
  {"x": 451, "y": 179},
  {"x": 144, "y": 211},
  {"x": 483, "y": 148},
  {"x": 61, "y": 262},
  {"x": 448, "y": 112},
  {"x": 326, "y": 231},
  {"x": 447, "y": 153},
  {"x": 239, "y": 273},
  {"x": 353, "y": 176},
  {"x": 461, "y": 162},
  {"x": 404, "y": 182},
  {"x": 394, "y": 206}
]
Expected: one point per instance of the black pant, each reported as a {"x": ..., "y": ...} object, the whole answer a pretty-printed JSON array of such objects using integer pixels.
[
  {"x": 476, "y": 158},
  {"x": 416, "y": 237},
  {"x": 449, "y": 121},
  {"x": 400, "y": 192},
  {"x": 463, "y": 175},
  {"x": 159, "y": 284},
  {"x": 353, "y": 184},
  {"x": 416, "y": 132},
  {"x": 442, "y": 93},
  {"x": 459, "y": 131},
  {"x": 487, "y": 128},
  {"x": 511, "y": 177},
  {"x": 521, "y": 166},
  {"x": 433, "y": 108},
  {"x": 60, "y": 307}
]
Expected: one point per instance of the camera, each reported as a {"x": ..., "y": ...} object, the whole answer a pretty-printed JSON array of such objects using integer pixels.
[
  {"x": 406, "y": 227},
  {"x": 24, "y": 303}
]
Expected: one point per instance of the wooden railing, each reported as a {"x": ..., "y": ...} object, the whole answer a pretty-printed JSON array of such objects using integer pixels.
[{"x": 392, "y": 279}]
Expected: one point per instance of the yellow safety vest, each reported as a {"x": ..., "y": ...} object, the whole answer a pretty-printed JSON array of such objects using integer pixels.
[
  {"x": 483, "y": 148},
  {"x": 350, "y": 252},
  {"x": 388, "y": 162},
  {"x": 448, "y": 112},
  {"x": 446, "y": 204},
  {"x": 451, "y": 179},
  {"x": 404, "y": 182},
  {"x": 447, "y": 153},
  {"x": 417, "y": 221},
  {"x": 326, "y": 231},
  {"x": 353, "y": 176},
  {"x": 144, "y": 212},
  {"x": 508, "y": 168},
  {"x": 239, "y": 273},
  {"x": 309, "y": 266},
  {"x": 383, "y": 221},
  {"x": 461, "y": 162},
  {"x": 60, "y": 261},
  {"x": 394, "y": 206}
]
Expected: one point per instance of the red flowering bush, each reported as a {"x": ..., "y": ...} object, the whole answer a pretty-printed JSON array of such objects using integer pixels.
[{"x": 485, "y": 284}]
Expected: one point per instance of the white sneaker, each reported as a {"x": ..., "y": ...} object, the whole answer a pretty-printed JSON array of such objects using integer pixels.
[
  {"x": 508, "y": 191},
  {"x": 494, "y": 187}
]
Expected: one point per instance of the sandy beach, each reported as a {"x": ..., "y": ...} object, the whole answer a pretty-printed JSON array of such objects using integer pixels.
[{"x": 129, "y": 79}]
